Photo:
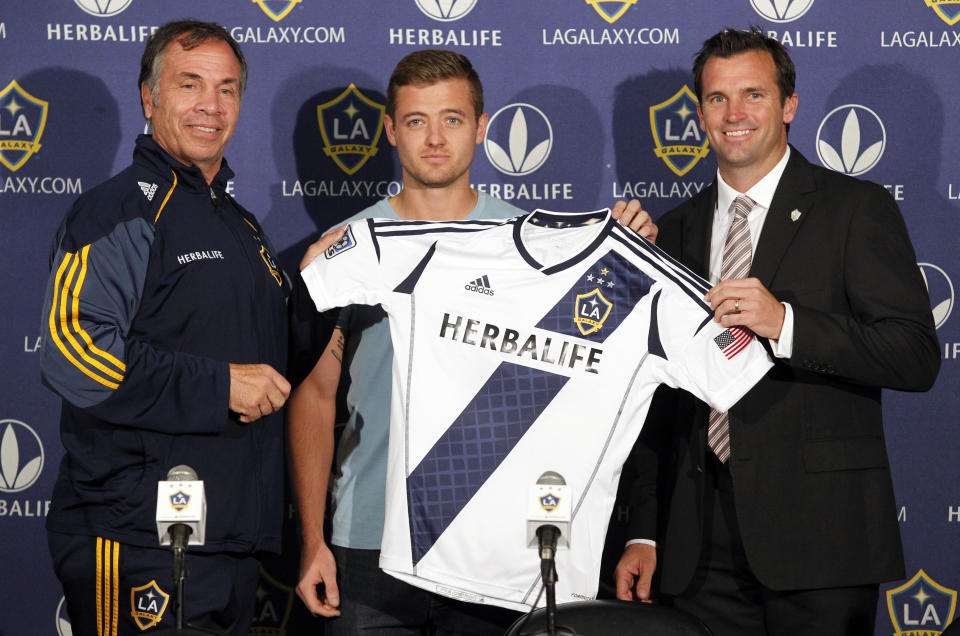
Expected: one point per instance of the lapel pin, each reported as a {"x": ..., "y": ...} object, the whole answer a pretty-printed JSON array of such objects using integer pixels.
[{"x": 795, "y": 215}]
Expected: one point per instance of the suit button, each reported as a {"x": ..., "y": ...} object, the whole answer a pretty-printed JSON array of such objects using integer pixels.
[{"x": 699, "y": 468}]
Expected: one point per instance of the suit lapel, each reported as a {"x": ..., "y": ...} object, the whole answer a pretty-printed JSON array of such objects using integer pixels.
[{"x": 792, "y": 203}]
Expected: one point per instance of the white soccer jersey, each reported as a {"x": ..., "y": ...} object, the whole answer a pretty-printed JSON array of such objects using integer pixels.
[{"x": 521, "y": 346}]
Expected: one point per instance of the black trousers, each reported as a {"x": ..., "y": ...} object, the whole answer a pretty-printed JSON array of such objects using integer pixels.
[{"x": 727, "y": 596}]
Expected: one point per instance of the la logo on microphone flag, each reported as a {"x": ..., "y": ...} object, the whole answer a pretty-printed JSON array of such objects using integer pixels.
[
  {"x": 549, "y": 502},
  {"x": 179, "y": 500}
]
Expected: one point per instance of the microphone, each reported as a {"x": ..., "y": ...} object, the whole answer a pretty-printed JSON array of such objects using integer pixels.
[
  {"x": 181, "y": 520},
  {"x": 181, "y": 509},
  {"x": 548, "y": 515},
  {"x": 548, "y": 527}
]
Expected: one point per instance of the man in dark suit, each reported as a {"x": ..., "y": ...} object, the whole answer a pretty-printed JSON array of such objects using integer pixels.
[{"x": 778, "y": 517}]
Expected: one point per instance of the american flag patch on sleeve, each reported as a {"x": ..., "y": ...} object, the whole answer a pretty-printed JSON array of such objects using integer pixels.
[{"x": 733, "y": 341}]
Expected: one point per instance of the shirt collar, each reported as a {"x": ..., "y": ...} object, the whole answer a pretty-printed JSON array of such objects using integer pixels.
[{"x": 762, "y": 191}]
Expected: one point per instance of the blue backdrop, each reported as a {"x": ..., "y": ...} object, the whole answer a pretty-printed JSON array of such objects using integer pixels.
[{"x": 590, "y": 101}]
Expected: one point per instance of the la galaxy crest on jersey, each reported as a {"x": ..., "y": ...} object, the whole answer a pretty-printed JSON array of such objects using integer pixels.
[
  {"x": 592, "y": 312},
  {"x": 346, "y": 242}
]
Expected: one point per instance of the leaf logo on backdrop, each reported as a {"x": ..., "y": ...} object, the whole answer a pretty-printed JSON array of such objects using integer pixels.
[
  {"x": 519, "y": 142},
  {"x": 940, "y": 288},
  {"x": 949, "y": 14},
  {"x": 277, "y": 9},
  {"x": 103, "y": 8},
  {"x": 611, "y": 10},
  {"x": 273, "y": 608},
  {"x": 921, "y": 606},
  {"x": 63, "y": 620},
  {"x": 676, "y": 132},
  {"x": 22, "y": 120},
  {"x": 781, "y": 10},
  {"x": 351, "y": 125},
  {"x": 851, "y": 139},
  {"x": 446, "y": 10},
  {"x": 21, "y": 456}
]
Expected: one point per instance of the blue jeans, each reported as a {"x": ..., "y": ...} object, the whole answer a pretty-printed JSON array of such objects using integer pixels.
[{"x": 372, "y": 601}]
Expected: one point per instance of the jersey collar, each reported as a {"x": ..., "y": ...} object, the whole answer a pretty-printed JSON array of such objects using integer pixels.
[{"x": 598, "y": 222}]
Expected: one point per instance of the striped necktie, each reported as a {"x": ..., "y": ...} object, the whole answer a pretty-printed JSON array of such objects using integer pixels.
[{"x": 737, "y": 256}]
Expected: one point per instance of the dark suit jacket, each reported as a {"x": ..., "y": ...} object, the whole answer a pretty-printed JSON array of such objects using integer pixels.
[{"x": 814, "y": 498}]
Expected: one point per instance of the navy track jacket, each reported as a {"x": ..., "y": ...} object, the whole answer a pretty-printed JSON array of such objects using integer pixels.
[{"x": 159, "y": 281}]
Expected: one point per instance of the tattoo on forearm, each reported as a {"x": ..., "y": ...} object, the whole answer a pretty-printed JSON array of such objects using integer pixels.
[{"x": 337, "y": 349}]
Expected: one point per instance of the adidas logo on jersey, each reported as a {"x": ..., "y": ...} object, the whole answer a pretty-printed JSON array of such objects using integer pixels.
[
  {"x": 481, "y": 286},
  {"x": 149, "y": 189}
]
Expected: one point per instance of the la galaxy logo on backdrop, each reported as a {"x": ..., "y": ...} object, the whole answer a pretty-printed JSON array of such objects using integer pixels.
[
  {"x": 679, "y": 142},
  {"x": 611, "y": 10},
  {"x": 351, "y": 125},
  {"x": 277, "y": 9},
  {"x": 22, "y": 120},
  {"x": 947, "y": 13},
  {"x": 518, "y": 143},
  {"x": 921, "y": 606},
  {"x": 676, "y": 132},
  {"x": 851, "y": 139}
]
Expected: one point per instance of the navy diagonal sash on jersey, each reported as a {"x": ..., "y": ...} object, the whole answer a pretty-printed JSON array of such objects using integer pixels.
[
  {"x": 514, "y": 396},
  {"x": 473, "y": 447}
]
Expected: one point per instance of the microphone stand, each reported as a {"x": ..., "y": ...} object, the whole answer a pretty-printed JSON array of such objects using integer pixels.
[
  {"x": 179, "y": 575},
  {"x": 548, "y": 570}
]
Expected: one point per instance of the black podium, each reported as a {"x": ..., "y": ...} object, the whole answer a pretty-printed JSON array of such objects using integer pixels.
[{"x": 611, "y": 618}]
